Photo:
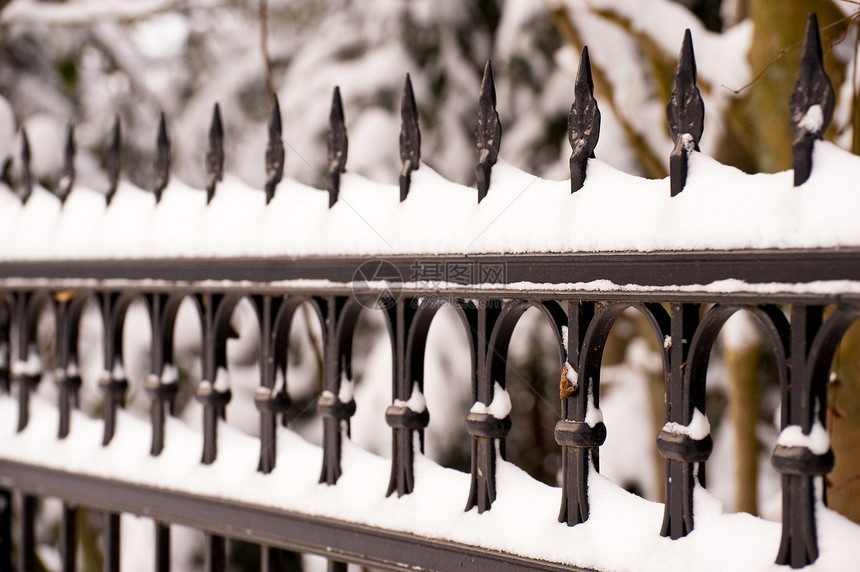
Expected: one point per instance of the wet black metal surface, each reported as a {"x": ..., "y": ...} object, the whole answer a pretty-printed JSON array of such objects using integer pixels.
[{"x": 675, "y": 270}]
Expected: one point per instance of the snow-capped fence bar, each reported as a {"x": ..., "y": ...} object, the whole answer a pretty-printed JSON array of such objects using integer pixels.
[{"x": 686, "y": 297}]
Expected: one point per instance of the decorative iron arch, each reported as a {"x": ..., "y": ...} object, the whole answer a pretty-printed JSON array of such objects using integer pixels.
[
  {"x": 597, "y": 333},
  {"x": 772, "y": 320},
  {"x": 503, "y": 330}
]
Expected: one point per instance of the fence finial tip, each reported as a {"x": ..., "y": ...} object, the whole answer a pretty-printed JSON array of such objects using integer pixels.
[
  {"x": 162, "y": 159},
  {"x": 685, "y": 115},
  {"x": 811, "y": 103},
  {"x": 583, "y": 123},
  {"x": 26, "y": 176},
  {"x": 67, "y": 176},
  {"x": 113, "y": 160},
  {"x": 338, "y": 145},
  {"x": 274, "y": 152},
  {"x": 488, "y": 132},
  {"x": 214, "y": 154},
  {"x": 410, "y": 138}
]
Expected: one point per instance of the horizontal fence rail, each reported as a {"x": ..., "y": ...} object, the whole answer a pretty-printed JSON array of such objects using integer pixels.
[{"x": 804, "y": 299}]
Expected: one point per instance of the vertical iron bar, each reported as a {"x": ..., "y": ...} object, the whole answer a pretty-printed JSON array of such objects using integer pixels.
[
  {"x": 27, "y": 540},
  {"x": 111, "y": 542},
  {"x": 799, "y": 544},
  {"x": 214, "y": 401},
  {"x": 576, "y": 455},
  {"x": 271, "y": 559},
  {"x": 271, "y": 399},
  {"x": 336, "y": 566},
  {"x": 401, "y": 437},
  {"x": 113, "y": 387},
  {"x": 162, "y": 547},
  {"x": 5, "y": 529},
  {"x": 487, "y": 431},
  {"x": 69, "y": 537},
  {"x": 216, "y": 553},
  {"x": 336, "y": 364},
  {"x": 680, "y": 401}
]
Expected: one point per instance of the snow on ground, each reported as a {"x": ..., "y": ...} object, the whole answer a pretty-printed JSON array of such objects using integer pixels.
[
  {"x": 721, "y": 208},
  {"x": 622, "y": 532}
]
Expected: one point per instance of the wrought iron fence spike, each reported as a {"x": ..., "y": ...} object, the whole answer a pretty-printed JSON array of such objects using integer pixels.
[
  {"x": 113, "y": 160},
  {"x": 274, "y": 152},
  {"x": 67, "y": 177},
  {"x": 410, "y": 138},
  {"x": 685, "y": 115},
  {"x": 162, "y": 159},
  {"x": 811, "y": 103},
  {"x": 338, "y": 145},
  {"x": 26, "y": 176},
  {"x": 583, "y": 123},
  {"x": 6, "y": 172},
  {"x": 214, "y": 154},
  {"x": 488, "y": 132}
]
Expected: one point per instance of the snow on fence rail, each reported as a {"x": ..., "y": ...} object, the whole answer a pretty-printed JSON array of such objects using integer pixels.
[{"x": 359, "y": 247}]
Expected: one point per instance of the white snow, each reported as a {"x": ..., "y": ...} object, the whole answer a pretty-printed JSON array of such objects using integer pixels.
[
  {"x": 818, "y": 440},
  {"x": 698, "y": 428},
  {"x": 593, "y": 415},
  {"x": 169, "y": 374},
  {"x": 499, "y": 407},
  {"x": 522, "y": 520},
  {"x": 32, "y": 366},
  {"x": 118, "y": 372},
  {"x": 347, "y": 388},
  {"x": 416, "y": 401},
  {"x": 222, "y": 380},
  {"x": 571, "y": 375},
  {"x": 442, "y": 217},
  {"x": 812, "y": 120}
]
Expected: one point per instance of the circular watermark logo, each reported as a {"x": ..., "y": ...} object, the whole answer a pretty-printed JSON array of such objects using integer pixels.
[{"x": 377, "y": 284}]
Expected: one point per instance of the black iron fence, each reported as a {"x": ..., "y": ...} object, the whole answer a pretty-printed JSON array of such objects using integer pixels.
[{"x": 668, "y": 290}]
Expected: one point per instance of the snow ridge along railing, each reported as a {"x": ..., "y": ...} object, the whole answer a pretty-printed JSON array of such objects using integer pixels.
[{"x": 686, "y": 297}]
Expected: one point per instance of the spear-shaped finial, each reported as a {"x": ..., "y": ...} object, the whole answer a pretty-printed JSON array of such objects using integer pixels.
[
  {"x": 214, "y": 154},
  {"x": 162, "y": 159},
  {"x": 26, "y": 177},
  {"x": 274, "y": 152},
  {"x": 410, "y": 138},
  {"x": 685, "y": 114},
  {"x": 488, "y": 132},
  {"x": 67, "y": 177},
  {"x": 811, "y": 103},
  {"x": 583, "y": 123},
  {"x": 338, "y": 145},
  {"x": 113, "y": 160},
  {"x": 6, "y": 172}
]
